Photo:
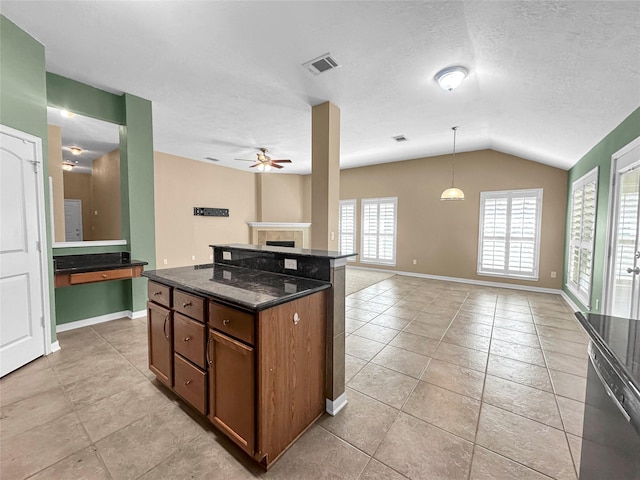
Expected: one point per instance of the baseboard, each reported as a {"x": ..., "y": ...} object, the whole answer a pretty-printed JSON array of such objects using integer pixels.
[
  {"x": 470, "y": 281},
  {"x": 571, "y": 303},
  {"x": 138, "y": 314},
  {"x": 96, "y": 320},
  {"x": 55, "y": 346},
  {"x": 332, "y": 407}
]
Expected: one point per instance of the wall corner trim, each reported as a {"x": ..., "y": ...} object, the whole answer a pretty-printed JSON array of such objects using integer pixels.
[{"x": 332, "y": 407}]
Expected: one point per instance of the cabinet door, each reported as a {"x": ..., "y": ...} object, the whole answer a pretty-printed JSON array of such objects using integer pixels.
[
  {"x": 160, "y": 326},
  {"x": 232, "y": 388}
]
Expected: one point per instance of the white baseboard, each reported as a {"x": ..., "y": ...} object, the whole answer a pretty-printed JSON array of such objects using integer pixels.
[
  {"x": 571, "y": 303},
  {"x": 100, "y": 319},
  {"x": 470, "y": 281},
  {"x": 332, "y": 407},
  {"x": 55, "y": 346}
]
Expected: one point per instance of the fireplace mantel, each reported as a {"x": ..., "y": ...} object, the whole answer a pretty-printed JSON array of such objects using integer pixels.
[{"x": 279, "y": 231}]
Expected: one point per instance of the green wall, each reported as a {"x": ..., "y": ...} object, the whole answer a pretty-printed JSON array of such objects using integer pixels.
[
  {"x": 23, "y": 106},
  {"x": 599, "y": 156},
  {"x": 133, "y": 114}
]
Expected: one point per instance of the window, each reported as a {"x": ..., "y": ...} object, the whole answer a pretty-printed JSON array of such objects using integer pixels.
[
  {"x": 584, "y": 192},
  {"x": 379, "y": 230},
  {"x": 509, "y": 244},
  {"x": 347, "y": 227}
]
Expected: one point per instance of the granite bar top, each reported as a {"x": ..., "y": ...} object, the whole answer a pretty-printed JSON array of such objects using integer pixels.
[
  {"x": 619, "y": 339},
  {"x": 250, "y": 289},
  {"x": 305, "y": 252},
  {"x": 93, "y": 262}
]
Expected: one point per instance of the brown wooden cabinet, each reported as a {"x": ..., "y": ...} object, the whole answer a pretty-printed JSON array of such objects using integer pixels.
[{"x": 160, "y": 330}]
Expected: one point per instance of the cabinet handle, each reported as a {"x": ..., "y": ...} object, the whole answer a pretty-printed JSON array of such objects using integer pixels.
[
  {"x": 187, "y": 304},
  {"x": 296, "y": 318},
  {"x": 209, "y": 362},
  {"x": 226, "y": 322},
  {"x": 104, "y": 275},
  {"x": 157, "y": 293},
  {"x": 164, "y": 328},
  {"x": 186, "y": 339},
  {"x": 187, "y": 382}
]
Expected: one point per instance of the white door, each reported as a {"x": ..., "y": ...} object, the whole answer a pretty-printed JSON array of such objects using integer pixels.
[
  {"x": 22, "y": 335},
  {"x": 624, "y": 260},
  {"x": 72, "y": 220}
]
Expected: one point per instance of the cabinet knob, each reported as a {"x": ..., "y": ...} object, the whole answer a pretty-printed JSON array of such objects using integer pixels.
[
  {"x": 226, "y": 322},
  {"x": 187, "y": 382},
  {"x": 185, "y": 305},
  {"x": 104, "y": 275},
  {"x": 296, "y": 318},
  {"x": 157, "y": 293},
  {"x": 186, "y": 339}
]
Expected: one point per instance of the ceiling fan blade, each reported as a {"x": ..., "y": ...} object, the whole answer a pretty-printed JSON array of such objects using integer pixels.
[
  {"x": 275, "y": 165},
  {"x": 255, "y": 165},
  {"x": 280, "y": 161},
  {"x": 243, "y": 160}
]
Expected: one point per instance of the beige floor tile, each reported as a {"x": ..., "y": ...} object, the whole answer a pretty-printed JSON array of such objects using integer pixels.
[
  {"x": 575, "y": 445},
  {"x": 415, "y": 343},
  {"x": 352, "y": 366},
  {"x": 351, "y": 325},
  {"x": 505, "y": 308},
  {"x": 403, "y": 361},
  {"x": 33, "y": 411},
  {"x": 114, "y": 326},
  {"x": 376, "y": 332},
  {"x": 523, "y": 400},
  {"x": 562, "y": 334},
  {"x": 78, "y": 351},
  {"x": 567, "y": 363},
  {"x": 466, "y": 339},
  {"x": 567, "y": 385},
  {"x": 39, "y": 364},
  {"x": 83, "y": 465},
  {"x": 509, "y": 324},
  {"x": 362, "y": 348},
  {"x": 14, "y": 388},
  {"x": 390, "y": 321},
  {"x": 462, "y": 356},
  {"x": 426, "y": 330},
  {"x": 360, "y": 315},
  {"x": 126, "y": 334},
  {"x": 455, "y": 378},
  {"x": 481, "y": 309},
  {"x": 41, "y": 447},
  {"x": 207, "y": 456},
  {"x": 352, "y": 302},
  {"x": 572, "y": 413},
  {"x": 450, "y": 411},
  {"x": 363, "y": 422},
  {"x": 433, "y": 319},
  {"x": 135, "y": 449},
  {"x": 112, "y": 413},
  {"x": 564, "y": 346},
  {"x": 517, "y": 352},
  {"x": 567, "y": 323},
  {"x": 520, "y": 372},
  {"x": 481, "y": 329},
  {"x": 405, "y": 313},
  {"x": 513, "y": 336},
  {"x": 474, "y": 318},
  {"x": 319, "y": 454},
  {"x": 373, "y": 307},
  {"x": 378, "y": 471},
  {"x": 80, "y": 369},
  {"x": 384, "y": 300},
  {"x": 531, "y": 443},
  {"x": 414, "y": 304},
  {"x": 514, "y": 316},
  {"x": 389, "y": 387},
  {"x": 488, "y": 465},
  {"x": 103, "y": 383},
  {"x": 433, "y": 454}
]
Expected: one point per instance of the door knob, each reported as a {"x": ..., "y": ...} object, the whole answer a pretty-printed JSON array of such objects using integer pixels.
[{"x": 635, "y": 271}]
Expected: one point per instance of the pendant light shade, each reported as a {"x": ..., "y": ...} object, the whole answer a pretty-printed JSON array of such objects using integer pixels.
[{"x": 453, "y": 193}]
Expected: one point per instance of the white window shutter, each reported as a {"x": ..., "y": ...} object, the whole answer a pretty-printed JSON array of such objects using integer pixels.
[{"x": 379, "y": 220}]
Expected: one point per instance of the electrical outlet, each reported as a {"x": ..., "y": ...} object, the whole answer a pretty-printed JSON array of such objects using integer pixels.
[
  {"x": 211, "y": 256},
  {"x": 226, "y": 255},
  {"x": 553, "y": 274},
  {"x": 164, "y": 261},
  {"x": 415, "y": 262},
  {"x": 597, "y": 304},
  {"x": 193, "y": 257},
  {"x": 291, "y": 263},
  {"x": 333, "y": 235}
]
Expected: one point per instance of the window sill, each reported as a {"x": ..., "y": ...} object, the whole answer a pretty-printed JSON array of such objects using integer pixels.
[
  {"x": 373, "y": 262},
  {"x": 514, "y": 277}
]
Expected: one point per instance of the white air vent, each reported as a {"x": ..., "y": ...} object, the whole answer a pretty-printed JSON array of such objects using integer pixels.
[
  {"x": 321, "y": 64},
  {"x": 400, "y": 138},
  {"x": 211, "y": 159}
]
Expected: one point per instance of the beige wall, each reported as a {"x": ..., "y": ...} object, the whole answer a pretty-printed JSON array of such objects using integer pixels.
[
  {"x": 78, "y": 186},
  {"x": 181, "y": 184},
  {"x": 106, "y": 201},
  {"x": 281, "y": 198},
  {"x": 443, "y": 236},
  {"x": 54, "y": 145}
]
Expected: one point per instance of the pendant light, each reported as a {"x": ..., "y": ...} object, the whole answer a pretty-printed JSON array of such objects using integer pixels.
[{"x": 453, "y": 193}]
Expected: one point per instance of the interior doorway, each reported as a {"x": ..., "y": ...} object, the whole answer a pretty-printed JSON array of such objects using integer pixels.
[{"x": 72, "y": 220}]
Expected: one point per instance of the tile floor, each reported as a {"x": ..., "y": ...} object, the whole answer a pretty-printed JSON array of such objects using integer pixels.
[{"x": 444, "y": 381}]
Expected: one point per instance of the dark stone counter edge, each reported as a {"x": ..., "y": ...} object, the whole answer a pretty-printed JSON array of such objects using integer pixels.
[
  {"x": 233, "y": 302},
  {"x": 98, "y": 267},
  {"x": 619, "y": 367},
  {"x": 303, "y": 252}
]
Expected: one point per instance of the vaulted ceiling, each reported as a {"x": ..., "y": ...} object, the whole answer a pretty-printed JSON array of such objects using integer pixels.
[{"x": 548, "y": 79}]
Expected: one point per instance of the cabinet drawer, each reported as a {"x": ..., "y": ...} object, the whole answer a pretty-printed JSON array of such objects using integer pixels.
[
  {"x": 189, "y": 305},
  {"x": 189, "y": 338},
  {"x": 159, "y": 293},
  {"x": 190, "y": 383},
  {"x": 232, "y": 322},
  {"x": 101, "y": 276}
]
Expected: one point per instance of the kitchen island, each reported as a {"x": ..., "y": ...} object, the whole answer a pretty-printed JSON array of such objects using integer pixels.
[{"x": 244, "y": 347}]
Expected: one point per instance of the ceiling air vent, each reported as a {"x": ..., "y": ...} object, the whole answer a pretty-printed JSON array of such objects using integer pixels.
[
  {"x": 321, "y": 64},
  {"x": 400, "y": 138},
  {"x": 211, "y": 159}
]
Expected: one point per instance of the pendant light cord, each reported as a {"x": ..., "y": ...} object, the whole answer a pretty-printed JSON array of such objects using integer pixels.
[{"x": 453, "y": 165}]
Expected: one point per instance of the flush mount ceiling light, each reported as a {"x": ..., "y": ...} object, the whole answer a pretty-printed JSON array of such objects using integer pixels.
[
  {"x": 453, "y": 193},
  {"x": 67, "y": 166},
  {"x": 67, "y": 114},
  {"x": 450, "y": 78},
  {"x": 76, "y": 150}
]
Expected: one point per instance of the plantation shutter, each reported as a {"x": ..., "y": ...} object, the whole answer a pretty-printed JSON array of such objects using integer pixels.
[
  {"x": 347, "y": 227},
  {"x": 379, "y": 216}
]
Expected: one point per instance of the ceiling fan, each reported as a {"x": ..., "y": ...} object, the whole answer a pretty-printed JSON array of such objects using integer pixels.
[{"x": 264, "y": 162}]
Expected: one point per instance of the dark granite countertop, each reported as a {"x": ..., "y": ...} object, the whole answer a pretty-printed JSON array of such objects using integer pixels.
[
  {"x": 619, "y": 339},
  {"x": 306, "y": 252},
  {"x": 246, "y": 288},
  {"x": 94, "y": 262}
]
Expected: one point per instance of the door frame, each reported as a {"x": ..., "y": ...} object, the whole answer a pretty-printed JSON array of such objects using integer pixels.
[
  {"x": 42, "y": 231},
  {"x": 611, "y": 213},
  {"x": 76, "y": 201}
]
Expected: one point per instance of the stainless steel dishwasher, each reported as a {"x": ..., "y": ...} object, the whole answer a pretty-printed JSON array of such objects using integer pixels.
[{"x": 611, "y": 433}]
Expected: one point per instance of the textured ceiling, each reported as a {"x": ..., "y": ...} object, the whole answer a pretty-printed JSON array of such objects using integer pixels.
[{"x": 548, "y": 80}]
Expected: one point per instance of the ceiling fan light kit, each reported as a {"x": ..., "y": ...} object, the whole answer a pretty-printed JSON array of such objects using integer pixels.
[
  {"x": 453, "y": 193},
  {"x": 265, "y": 162},
  {"x": 450, "y": 78}
]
